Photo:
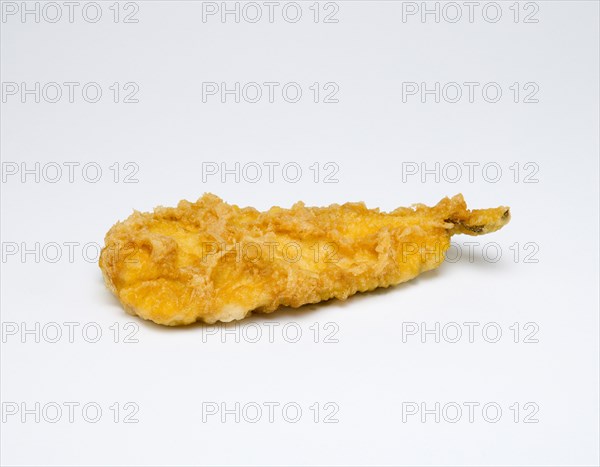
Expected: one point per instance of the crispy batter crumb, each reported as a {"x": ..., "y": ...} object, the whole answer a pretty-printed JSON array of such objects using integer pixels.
[{"x": 210, "y": 261}]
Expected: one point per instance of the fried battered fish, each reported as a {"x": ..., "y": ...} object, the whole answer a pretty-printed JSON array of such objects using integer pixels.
[{"x": 210, "y": 261}]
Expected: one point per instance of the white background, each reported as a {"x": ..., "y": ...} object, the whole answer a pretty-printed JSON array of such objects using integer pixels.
[{"x": 370, "y": 134}]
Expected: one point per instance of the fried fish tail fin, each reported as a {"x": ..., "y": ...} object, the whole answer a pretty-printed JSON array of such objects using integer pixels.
[{"x": 471, "y": 222}]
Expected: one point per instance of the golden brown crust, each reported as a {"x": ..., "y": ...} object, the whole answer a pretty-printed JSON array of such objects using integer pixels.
[{"x": 211, "y": 261}]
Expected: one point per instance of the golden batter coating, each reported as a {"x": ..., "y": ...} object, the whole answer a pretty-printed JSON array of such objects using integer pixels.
[{"x": 210, "y": 261}]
